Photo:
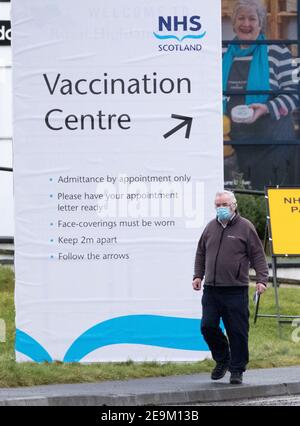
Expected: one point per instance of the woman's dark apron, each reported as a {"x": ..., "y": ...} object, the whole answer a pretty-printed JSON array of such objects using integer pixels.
[{"x": 261, "y": 159}]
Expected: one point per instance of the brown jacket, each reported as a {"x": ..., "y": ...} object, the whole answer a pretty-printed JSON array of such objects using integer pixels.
[{"x": 224, "y": 255}]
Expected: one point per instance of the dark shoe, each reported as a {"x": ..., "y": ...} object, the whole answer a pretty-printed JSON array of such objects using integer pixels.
[
  {"x": 236, "y": 378},
  {"x": 219, "y": 371}
]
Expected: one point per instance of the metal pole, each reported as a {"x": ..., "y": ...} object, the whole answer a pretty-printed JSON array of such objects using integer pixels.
[
  {"x": 266, "y": 237},
  {"x": 274, "y": 269},
  {"x": 6, "y": 240},
  {"x": 245, "y": 191},
  {"x": 260, "y": 42},
  {"x": 275, "y": 316}
]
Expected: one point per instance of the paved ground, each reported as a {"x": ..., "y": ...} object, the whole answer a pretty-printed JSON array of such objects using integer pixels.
[
  {"x": 193, "y": 389},
  {"x": 279, "y": 401}
]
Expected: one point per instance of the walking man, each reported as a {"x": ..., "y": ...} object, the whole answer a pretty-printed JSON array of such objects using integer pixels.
[{"x": 228, "y": 246}]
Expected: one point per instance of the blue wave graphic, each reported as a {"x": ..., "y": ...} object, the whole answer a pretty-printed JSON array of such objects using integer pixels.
[
  {"x": 174, "y": 37},
  {"x": 31, "y": 348},
  {"x": 194, "y": 36},
  {"x": 166, "y": 37},
  {"x": 151, "y": 330}
]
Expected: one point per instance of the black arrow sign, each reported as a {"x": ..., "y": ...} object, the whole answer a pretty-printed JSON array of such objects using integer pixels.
[{"x": 187, "y": 121}]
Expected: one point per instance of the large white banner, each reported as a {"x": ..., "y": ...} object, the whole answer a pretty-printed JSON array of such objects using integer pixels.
[
  {"x": 6, "y": 178},
  {"x": 117, "y": 158}
]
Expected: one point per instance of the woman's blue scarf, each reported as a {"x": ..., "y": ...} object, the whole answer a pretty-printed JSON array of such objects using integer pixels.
[{"x": 259, "y": 74}]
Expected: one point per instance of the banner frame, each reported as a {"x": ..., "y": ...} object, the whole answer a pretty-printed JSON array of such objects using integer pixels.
[{"x": 281, "y": 319}]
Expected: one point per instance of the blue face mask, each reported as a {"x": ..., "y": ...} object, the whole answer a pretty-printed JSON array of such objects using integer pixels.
[{"x": 224, "y": 213}]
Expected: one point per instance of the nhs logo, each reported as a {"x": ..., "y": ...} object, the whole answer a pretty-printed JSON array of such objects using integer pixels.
[
  {"x": 178, "y": 29},
  {"x": 174, "y": 23},
  {"x": 169, "y": 25}
]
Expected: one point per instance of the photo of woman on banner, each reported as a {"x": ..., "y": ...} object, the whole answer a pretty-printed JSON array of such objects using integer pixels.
[{"x": 255, "y": 117}]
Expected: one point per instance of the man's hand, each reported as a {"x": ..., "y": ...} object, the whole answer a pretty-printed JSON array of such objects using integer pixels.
[
  {"x": 260, "y": 288},
  {"x": 259, "y": 111},
  {"x": 197, "y": 284}
]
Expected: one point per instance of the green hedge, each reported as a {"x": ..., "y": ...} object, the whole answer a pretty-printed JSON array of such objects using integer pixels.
[{"x": 253, "y": 207}]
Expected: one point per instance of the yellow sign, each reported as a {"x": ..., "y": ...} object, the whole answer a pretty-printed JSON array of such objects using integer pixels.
[{"x": 284, "y": 212}]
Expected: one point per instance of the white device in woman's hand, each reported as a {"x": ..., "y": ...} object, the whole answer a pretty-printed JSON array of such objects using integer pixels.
[{"x": 242, "y": 114}]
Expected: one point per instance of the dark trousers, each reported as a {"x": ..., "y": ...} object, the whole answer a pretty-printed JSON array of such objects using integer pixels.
[{"x": 231, "y": 305}]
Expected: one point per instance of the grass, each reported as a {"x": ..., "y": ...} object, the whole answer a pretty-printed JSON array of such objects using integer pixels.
[{"x": 266, "y": 349}]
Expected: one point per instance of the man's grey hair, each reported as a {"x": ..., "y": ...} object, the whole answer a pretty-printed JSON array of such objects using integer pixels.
[
  {"x": 259, "y": 7},
  {"x": 230, "y": 194}
]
